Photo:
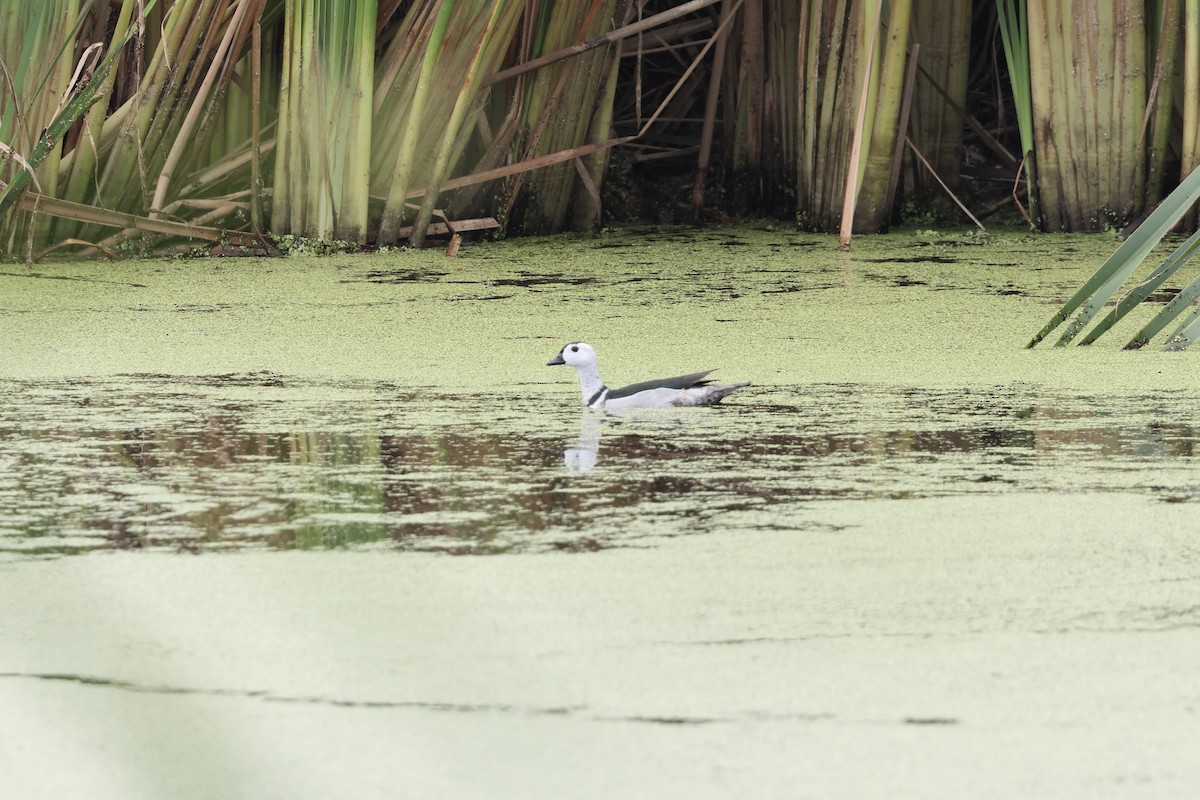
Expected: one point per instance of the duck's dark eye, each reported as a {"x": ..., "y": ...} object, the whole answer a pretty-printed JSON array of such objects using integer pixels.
[{"x": 574, "y": 349}]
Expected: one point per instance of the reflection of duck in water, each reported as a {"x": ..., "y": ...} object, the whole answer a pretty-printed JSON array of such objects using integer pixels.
[
  {"x": 582, "y": 457},
  {"x": 684, "y": 390}
]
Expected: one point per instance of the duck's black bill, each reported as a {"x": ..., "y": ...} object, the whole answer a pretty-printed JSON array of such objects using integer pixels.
[{"x": 558, "y": 359}]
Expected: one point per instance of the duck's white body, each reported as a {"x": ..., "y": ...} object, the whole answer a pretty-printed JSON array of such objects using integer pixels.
[{"x": 683, "y": 390}]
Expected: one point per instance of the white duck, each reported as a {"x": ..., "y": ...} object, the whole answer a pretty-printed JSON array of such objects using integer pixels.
[{"x": 684, "y": 390}]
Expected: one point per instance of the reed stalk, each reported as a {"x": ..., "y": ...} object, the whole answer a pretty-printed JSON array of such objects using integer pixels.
[
  {"x": 943, "y": 30},
  {"x": 431, "y": 88},
  {"x": 849, "y": 94},
  {"x": 417, "y": 107},
  {"x": 873, "y": 212},
  {"x": 222, "y": 62},
  {"x": 353, "y": 106},
  {"x": 48, "y": 92},
  {"x": 1189, "y": 98},
  {"x": 864, "y": 69},
  {"x": 1088, "y": 75},
  {"x": 591, "y": 168},
  {"x": 710, "y": 115},
  {"x": 781, "y": 115},
  {"x": 322, "y": 168},
  {"x": 560, "y": 105},
  {"x": 1014, "y": 23},
  {"x": 1163, "y": 90},
  {"x": 256, "y": 185},
  {"x": 744, "y": 119},
  {"x": 366, "y": 118},
  {"x": 490, "y": 38},
  {"x": 828, "y": 55},
  {"x": 164, "y": 121}
]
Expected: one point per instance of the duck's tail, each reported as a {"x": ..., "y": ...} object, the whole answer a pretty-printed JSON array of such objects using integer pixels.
[{"x": 707, "y": 395}]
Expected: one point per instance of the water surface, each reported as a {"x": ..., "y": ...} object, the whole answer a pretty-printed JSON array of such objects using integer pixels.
[
  {"x": 266, "y": 461},
  {"x": 313, "y": 528}
]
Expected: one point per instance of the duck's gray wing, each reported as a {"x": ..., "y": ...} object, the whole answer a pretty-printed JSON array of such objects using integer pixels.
[{"x": 678, "y": 382}]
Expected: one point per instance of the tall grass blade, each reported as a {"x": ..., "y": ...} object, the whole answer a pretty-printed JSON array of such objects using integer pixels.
[
  {"x": 872, "y": 207},
  {"x": 1101, "y": 286},
  {"x": 405, "y": 164},
  {"x": 495, "y": 32},
  {"x": 1186, "y": 333},
  {"x": 1014, "y": 34},
  {"x": 1140, "y": 292},
  {"x": 69, "y": 110},
  {"x": 1168, "y": 314}
]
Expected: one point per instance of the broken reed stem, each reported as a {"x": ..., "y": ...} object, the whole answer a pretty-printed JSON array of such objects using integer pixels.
[
  {"x": 256, "y": 216},
  {"x": 910, "y": 78},
  {"x": 710, "y": 115},
  {"x": 691, "y": 68},
  {"x": 599, "y": 41},
  {"x": 117, "y": 219},
  {"x": 851, "y": 195},
  {"x": 942, "y": 183}
]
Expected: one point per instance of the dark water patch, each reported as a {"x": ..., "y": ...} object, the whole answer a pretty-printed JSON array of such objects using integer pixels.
[
  {"x": 528, "y": 281},
  {"x": 929, "y": 259},
  {"x": 397, "y": 276},
  {"x": 1163, "y": 296},
  {"x": 969, "y": 239},
  {"x": 191, "y": 308},
  {"x": 263, "y": 461},
  {"x": 465, "y": 297},
  {"x": 30, "y": 274},
  {"x": 264, "y": 378},
  {"x": 792, "y": 288},
  {"x": 903, "y": 281}
]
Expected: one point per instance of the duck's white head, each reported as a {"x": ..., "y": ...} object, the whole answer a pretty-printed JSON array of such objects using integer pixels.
[{"x": 576, "y": 354}]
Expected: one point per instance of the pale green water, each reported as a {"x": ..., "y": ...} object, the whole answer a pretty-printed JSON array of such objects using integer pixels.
[{"x": 911, "y": 543}]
